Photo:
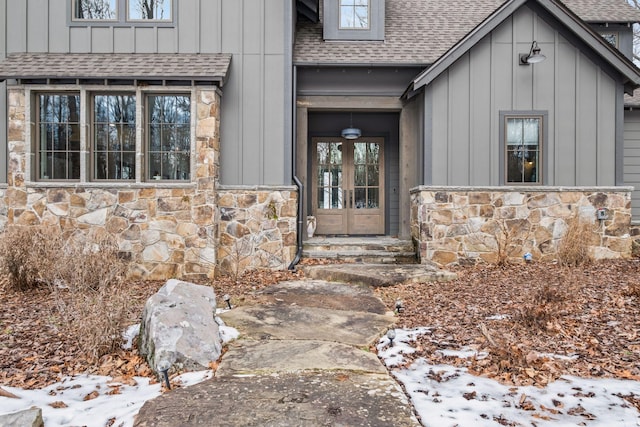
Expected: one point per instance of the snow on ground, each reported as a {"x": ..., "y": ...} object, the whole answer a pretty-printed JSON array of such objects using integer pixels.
[
  {"x": 449, "y": 396},
  {"x": 92, "y": 400}
]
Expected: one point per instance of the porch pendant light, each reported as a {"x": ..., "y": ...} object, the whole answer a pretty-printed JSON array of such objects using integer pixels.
[
  {"x": 351, "y": 132},
  {"x": 533, "y": 57}
]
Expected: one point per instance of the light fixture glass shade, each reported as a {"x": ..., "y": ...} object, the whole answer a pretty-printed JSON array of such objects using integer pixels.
[
  {"x": 351, "y": 133},
  {"x": 533, "y": 57}
]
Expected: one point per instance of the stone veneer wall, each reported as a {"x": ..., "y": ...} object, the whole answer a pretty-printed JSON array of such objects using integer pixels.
[
  {"x": 168, "y": 229},
  {"x": 257, "y": 228},
  {"x": 467, "y": 224}
]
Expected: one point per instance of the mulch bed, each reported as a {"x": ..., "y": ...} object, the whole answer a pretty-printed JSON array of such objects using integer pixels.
[{"x": 520, "y": 315}]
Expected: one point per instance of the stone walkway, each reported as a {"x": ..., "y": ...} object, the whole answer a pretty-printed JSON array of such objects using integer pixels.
[{"x": 302, "y": 359}]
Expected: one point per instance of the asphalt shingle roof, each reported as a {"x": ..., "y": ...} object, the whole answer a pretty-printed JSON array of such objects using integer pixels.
[
  {"x": 603, "y": 10},
  {"x": 420, "y": 31},
  {"x": 209, "y": 67}
]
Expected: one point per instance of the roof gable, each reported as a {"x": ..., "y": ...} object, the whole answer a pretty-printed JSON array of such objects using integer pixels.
[{"x": 565, "y": 16}]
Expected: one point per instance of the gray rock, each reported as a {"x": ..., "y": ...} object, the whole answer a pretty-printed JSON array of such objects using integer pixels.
[
  {"x": 27, "y": 418},
  {"x": 178, "y": 327}
]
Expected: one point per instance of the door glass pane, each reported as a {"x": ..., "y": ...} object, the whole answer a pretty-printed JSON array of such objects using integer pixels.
[
  {"x": 329, "y": 178},
  {"x": 373, "y": 173},
  {"x": 359, "y": 153},
  {"x": 360, "y": 201},
  {"x": 360, "y": 175},
  {"x": 373, "y": 198}
]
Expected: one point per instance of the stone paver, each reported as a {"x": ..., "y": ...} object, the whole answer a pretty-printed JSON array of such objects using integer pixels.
[
  {"x": 302, "y": 359},
  {"x": 265, "y": 357},
  {"x": 308, "y": 323},
  {"x": 296, "y": 400},
  {"x": 379, "y": 275}
]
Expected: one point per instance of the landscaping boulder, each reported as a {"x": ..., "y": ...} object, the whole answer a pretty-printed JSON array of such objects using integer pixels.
[
  {"x": 178, "y": 329},
  {"x": 27, "y": 418}
]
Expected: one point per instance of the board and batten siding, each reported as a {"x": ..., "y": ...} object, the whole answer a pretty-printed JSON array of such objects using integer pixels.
[
  {"x": 256, "y": 110},
  {"x": 632, "y": 159},
  {"x": 579, "y": 96}
]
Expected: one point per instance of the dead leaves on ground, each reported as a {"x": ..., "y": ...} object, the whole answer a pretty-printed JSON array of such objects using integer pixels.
[{"x": 536, "y": 321}]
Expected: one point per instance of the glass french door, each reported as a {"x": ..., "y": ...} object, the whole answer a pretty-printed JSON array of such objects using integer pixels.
[{"x": 348, "y": 185}]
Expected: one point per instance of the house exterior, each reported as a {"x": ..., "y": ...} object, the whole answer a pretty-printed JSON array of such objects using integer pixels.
[{"x": 202, "y": 133}]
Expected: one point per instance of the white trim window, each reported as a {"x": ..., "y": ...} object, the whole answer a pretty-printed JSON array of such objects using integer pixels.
[
  {"x": 354, "y": 14},
  {"x": 523, "y": 159}
]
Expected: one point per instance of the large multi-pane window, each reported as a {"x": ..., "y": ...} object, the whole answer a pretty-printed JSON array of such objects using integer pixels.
[
  {"x": 114, "y": 137},
  {"x": 58, "y": 136},
  {"x": 169, "y": 130},
  {"x": 119, "y": 10},
  {"x": 354, "y": 14},
  {"x": 523, "y": 149},
  {"x": 112, "y": 130}
]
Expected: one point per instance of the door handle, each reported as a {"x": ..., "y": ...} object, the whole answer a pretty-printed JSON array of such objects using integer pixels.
[
  {"x": 345, "y": 198},
  {"x": 351, "y": 199}
]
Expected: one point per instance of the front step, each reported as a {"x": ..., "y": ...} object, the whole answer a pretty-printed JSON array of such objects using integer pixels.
[{"x": 372, "y": 250}]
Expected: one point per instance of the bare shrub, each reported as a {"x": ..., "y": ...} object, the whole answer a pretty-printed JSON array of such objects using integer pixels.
[
  {"x": 85, "y": 277},
  {"x": 511, "y": 236},
  {"x": 92, "y": 296},
  {"x": 573, "y": 249},
  {"x": 28, "y": 255},
  {"x": 543, "y": 309}
]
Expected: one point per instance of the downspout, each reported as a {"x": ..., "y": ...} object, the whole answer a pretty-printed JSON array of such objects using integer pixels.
[{"x": 294, "y": 170}]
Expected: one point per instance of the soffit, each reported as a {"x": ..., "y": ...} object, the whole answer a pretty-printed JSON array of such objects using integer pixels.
[{"x": 165, "y": 67}]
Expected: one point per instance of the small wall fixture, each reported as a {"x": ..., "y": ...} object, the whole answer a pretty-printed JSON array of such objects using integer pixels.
[
  {"x": 351, "y": 132},
  {"x": 534, "y": 56}
]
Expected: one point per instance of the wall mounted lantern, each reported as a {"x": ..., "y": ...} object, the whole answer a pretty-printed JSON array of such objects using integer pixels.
[
  {"x": 351, "y": 132},
  {"x": 533, "y": 57}
]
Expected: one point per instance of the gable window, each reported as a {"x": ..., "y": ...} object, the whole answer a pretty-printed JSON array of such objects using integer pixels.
[
  {"x": 523, "y": 149},
  {"x": 58, "y": 133},
  {"x": 353, "y": 19},
  {"x": 114, "y": 137},
  {"x": 354, "y": 14},
  {"x": 121, "y": 11},
  {"x": 169, "y": 130}
]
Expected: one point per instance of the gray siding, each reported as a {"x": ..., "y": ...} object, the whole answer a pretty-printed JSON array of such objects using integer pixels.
[
  {"x": 632, "y": 158},
  {"x": 256, "y": 108},
  {"x": 578, "y": 94}
]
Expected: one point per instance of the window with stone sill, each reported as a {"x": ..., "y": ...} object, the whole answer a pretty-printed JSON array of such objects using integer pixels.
[
  {"x": 120, "y": 11},
  {"x": 112, "y": 136},
  {"x": 523, "y": 149}
]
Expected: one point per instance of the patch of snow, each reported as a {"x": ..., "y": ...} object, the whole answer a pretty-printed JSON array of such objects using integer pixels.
[
  {"x": 445, "y": 396},
  {"x": 113, "y": 400},
  {"x": 463, "y": 353},
  {"x": 567, "y": 358},
  {"x": 497, "y": 317},
  {"x": 129, "y": 335},
  {"x": 227, "y": 333}
]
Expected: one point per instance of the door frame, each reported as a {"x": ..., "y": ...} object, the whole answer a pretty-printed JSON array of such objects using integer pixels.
[
  {"x": 348, "y": 219},
  {"x": 409, "y": 140}
]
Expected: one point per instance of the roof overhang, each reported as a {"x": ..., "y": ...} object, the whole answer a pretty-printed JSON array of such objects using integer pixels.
[
  {"x": 158, "y": 68},
  {"x": 630, "y": 73}
]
